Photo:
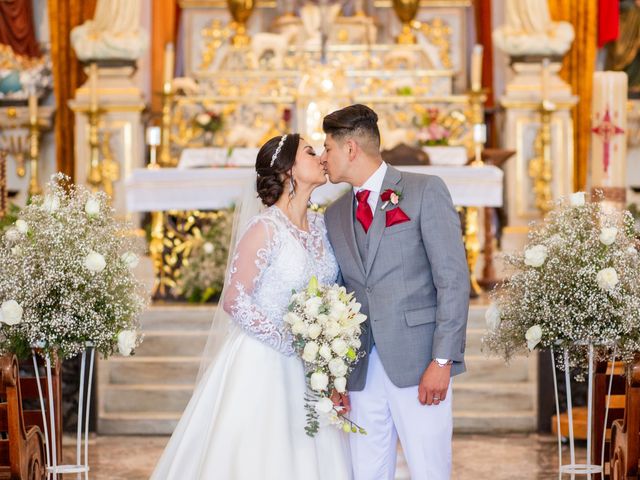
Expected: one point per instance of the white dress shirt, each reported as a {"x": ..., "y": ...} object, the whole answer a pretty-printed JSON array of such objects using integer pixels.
[{"x": 374, "y": 185}]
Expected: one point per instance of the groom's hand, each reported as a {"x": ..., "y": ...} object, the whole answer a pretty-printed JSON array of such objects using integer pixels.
[
  {"x": 341, "y": 400},
  {"x": 434, "y": 384}
]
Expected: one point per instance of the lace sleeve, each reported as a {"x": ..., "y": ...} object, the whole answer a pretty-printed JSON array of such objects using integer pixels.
[{"x": 250, "y": 259}]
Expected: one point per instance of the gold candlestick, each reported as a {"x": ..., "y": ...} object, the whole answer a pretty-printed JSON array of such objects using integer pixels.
[
  {"x": 165, "y": 159},
  {"x": 94, "y": 178},
  {"x": 540, "y": 165},
  {"x": 406, "y": 11},
  {"x": 34, "y": 146},
  {"x": 477, "y": 99},
  {"x": 240, "y": 11}
]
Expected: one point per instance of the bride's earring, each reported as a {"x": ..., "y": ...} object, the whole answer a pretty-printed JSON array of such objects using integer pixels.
[{"x": 292, "y": 187}]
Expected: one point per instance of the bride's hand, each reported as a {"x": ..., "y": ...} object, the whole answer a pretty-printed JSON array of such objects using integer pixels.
[{"x": 341, "y": 400}]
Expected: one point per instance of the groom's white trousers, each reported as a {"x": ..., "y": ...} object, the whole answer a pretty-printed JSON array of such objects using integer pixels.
[{"x": 386, "y": 412}]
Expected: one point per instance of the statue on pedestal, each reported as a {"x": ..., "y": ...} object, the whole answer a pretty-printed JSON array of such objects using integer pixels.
[
  {"x": 114, "y": 32},
  {"x": 529, "y": 30}
]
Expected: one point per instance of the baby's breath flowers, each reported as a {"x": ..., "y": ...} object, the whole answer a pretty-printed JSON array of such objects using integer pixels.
[
  {"x": 577, "y": 282},
  {"x": 66, "y": 276}
]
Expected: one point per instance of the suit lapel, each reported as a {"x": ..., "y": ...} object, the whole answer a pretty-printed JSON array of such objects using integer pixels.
[
  {"x": 349, "y": 230},
  {"x": 391, "y": 179}
]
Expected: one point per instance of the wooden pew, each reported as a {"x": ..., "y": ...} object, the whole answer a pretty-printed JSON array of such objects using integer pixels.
[
  {"x": 625, "y": 433},
  {"x": 22, "y": 450}
]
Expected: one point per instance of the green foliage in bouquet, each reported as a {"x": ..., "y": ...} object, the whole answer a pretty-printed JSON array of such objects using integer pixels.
[
  {"x": 10, "y": 217},
  {"x": 577, "y": 282},
  {"x": 66, "y": 276},
  {"x": 202, "y": 273}
]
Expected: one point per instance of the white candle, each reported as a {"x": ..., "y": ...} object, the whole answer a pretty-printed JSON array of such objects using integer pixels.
[
  {"x": 544, "y": 82},
  {"x": 169, "y": 59},
  {"x": 153, "y": 136},
  {"x": 609, "y": 130},
  {"x": 476, "y": 68},
  {"x": 93, "y": 86},
  {"x": 33, "y": 106}
]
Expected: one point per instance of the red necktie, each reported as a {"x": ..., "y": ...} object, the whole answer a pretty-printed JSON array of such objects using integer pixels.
[{"x": 363, "y": 211}]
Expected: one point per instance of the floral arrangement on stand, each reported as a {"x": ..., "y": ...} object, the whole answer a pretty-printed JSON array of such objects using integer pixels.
[
  {"x": 66, "y": 277},
  {"x": 576, "y": 283},
  {"x": 203, "y": 271},
  {"x": 325, "y": 322},
  {"x": 210, "y": 122},
  {"x": 432, "y": 133}
]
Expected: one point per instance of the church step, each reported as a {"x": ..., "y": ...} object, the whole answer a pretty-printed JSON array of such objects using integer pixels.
[
  {"x": 145, "y": 398},
  {"x": 189, "y": 343},
  {"x": 178, "y": 316},
  {"x": 498, "y": 397},
  {"x": 168, "y": 370},
  {"x": 485, "y": 369},
  {"x": 494, "y": 422},
  {"x": 147, "y": 423}
]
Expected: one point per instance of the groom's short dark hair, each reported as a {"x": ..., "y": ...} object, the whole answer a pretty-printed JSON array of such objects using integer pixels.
[{"x": 357, "y": 121}]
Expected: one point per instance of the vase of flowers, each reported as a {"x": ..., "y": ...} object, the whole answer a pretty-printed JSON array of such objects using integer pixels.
[
  {"x": 575, "y": 290},
  {"x": 67, "y": 286},
  {"x": 210, "y": 123}
]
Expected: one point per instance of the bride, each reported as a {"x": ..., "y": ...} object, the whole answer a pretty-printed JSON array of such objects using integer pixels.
[{"x": 246, "y": 418}]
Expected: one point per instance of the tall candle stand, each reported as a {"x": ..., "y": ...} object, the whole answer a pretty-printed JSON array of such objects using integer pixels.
[
  {"x": 34, "y": 153},
  {"x": 540, "y": 166},
  {"x": 165, "y": 159}
]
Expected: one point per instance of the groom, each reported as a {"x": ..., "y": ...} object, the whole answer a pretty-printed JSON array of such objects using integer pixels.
[{"x": 398, "y": 241}]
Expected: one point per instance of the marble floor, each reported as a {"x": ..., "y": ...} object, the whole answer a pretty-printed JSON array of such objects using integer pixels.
[{"x": 475, "y": 457}]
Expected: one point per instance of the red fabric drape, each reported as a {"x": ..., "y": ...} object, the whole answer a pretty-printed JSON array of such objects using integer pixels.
[
  {"x": 16, "y": 27},
  {"x": 608, "y": 21}
]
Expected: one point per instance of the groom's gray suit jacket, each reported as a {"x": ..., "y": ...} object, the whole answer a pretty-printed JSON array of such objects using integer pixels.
[{"x": 413, "y": 284}]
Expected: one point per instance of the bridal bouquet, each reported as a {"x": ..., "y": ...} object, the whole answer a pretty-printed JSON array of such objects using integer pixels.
[
  {"x": 577, "y": 282},
  {"x": 66, "y": 277},
  {"x": 325, "y": 322}
]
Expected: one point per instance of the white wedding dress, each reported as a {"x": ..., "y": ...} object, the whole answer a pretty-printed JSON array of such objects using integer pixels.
[{"x": 246, "y": 418}]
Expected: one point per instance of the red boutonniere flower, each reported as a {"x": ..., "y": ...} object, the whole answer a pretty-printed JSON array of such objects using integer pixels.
[{"x": 394, "y": 215}]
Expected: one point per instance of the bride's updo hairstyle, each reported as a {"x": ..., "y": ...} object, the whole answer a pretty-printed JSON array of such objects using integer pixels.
[{"x": 273, "y": 166}]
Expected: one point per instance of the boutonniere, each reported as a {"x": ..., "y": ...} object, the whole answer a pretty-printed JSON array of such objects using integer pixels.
[
  {"x": 394, "y": 215},
  {"x": 390, "y": 196}
]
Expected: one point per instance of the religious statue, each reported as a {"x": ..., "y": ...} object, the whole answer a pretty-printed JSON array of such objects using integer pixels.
[
  {"x": 114, "y": 32},
  {"x": 622, "y": 54},
  {"x": 529, "y": 30}
]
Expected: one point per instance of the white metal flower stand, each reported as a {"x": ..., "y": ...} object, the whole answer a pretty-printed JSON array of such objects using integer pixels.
[
  {"x": 82, "y": 465},
  {"x": 574, "y": 468}
]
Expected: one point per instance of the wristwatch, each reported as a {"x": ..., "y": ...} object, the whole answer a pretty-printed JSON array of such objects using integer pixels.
[{"x": 441, "y": 362}]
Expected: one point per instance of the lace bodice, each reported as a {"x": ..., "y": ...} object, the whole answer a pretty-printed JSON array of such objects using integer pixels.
[{"x": 272, "y": 258}]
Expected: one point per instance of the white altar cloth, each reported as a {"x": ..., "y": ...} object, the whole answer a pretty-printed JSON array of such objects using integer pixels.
[{"x": 215, "y": 188}]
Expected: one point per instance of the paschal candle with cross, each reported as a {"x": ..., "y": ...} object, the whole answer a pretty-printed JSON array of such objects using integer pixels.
[{"x": 609, "y": 130}]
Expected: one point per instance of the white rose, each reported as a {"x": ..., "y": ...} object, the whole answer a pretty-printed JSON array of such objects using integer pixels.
[
  {"x": 92, "y": 207},
  {"x": 337, "y": 367},
  {"x": 314, "y": 331},
  {"x": 291, "y": 318},
  {"x": 319, "y": 381},
  {"x": 340, "y": 384},
  {"x": 576, "y": 199},
  {"x": 492, "y": 317},
  {"x": 608, "y": 235},
  {"x": 300, "y": 328},
  {"x": 331, "y": 329},
  {"x": 10, "y": 312},
  {"x": 535, "y": 256},
  {"x": 339, "y": 346},
  {"x": 22, "y": 226},
  {"x": 130, "y": 259},
  {"x": 322, "y": 319},
  {"x": 94, "y": 262},
  {"x": 203, "y": 119},
  {"x": 310, "y": 352},
  {"x": 126, "y": 342},
  {"x": 12, "y": 235},
  {"x": 533, "y": 336},
  {"x": 325, "y": 352},
  {"x": 607, "y": 278},
  {"x": 51, "y": 203},
  {"x": 312, "y": 306},
  {"x": 208, "y": 248},
  {"x": 324, "y": 405}
]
